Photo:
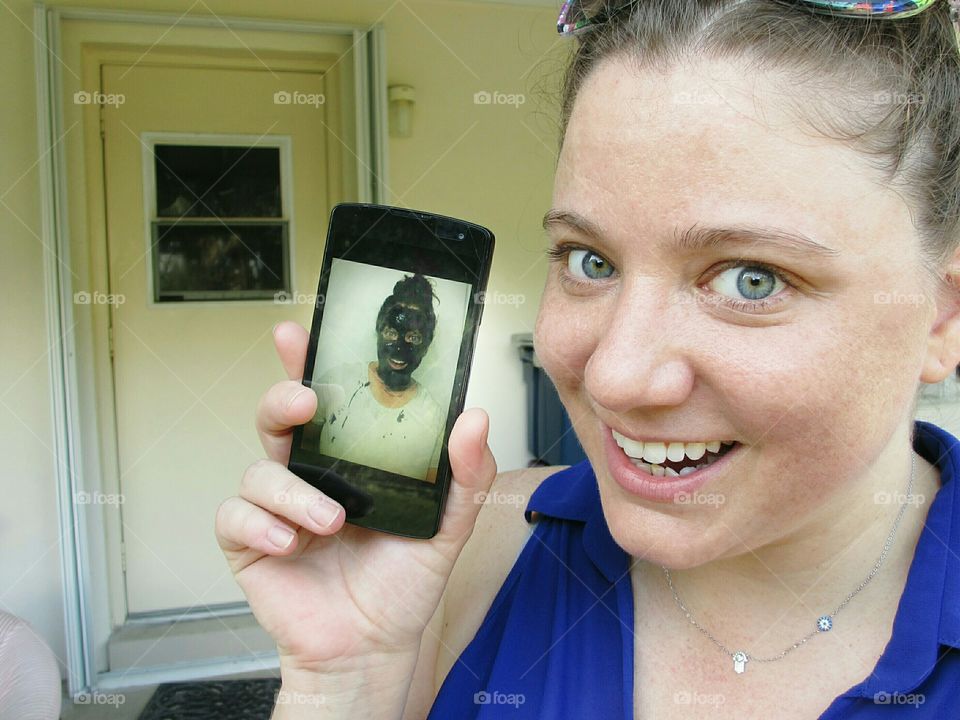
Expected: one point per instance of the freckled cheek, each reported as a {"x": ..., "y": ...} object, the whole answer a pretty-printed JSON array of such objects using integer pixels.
[
  {"x": 877, "y": 370},
  {"x": 841, "y": 390},
  {"x": 565, "y": 335},
  {"x": 773, "y": 391},
  {"x": 871, "y": 360}
]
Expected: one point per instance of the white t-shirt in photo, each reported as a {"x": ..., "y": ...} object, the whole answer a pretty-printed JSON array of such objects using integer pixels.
[{"x": 354, "y": 426}]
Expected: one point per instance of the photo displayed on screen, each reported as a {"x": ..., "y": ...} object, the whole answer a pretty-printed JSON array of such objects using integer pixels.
[{"x": 385, "y": 367}]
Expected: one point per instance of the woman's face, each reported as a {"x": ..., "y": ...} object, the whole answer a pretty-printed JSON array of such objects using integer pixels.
[
  {"x": 401, "y": 344},
  {"x": 650, "y": 340}
]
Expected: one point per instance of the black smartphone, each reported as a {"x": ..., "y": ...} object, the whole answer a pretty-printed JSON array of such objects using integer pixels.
[{"x": 394, "y": 326}]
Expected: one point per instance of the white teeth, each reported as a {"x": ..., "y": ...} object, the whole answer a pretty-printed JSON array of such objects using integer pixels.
[
  {"x": 695, "y": 451},
  {"x": 642, "y": 465},
  {"x": 654, "y": 452},
  {"x": 675, "y": 451},
  {"x": 631, "y": 447},
  {"x": 661, "y": 471},
  {"x": 657, "y": 452}
]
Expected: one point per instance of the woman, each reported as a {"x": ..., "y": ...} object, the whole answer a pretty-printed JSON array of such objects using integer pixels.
[
  {"x": 376, "y": 413},
  {"x": 755, "y": 229}
]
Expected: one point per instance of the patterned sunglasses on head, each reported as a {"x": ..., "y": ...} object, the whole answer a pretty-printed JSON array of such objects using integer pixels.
[{"x": 575, "y": 17}]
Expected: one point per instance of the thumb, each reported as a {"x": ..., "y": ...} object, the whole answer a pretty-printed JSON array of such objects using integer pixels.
[{"x": 474, "y": 469}]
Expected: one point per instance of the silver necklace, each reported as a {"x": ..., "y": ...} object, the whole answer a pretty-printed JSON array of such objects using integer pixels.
[{"x": 824, "y": 622}]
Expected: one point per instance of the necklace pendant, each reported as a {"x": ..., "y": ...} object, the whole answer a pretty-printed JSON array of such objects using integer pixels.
[{"x": 739, "y": 661}]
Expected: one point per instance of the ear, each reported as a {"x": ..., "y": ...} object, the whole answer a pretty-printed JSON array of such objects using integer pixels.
[{"x": 943, "y": 343}]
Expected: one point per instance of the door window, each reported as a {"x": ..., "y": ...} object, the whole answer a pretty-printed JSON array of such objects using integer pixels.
[{"x": 219, "y": 231}]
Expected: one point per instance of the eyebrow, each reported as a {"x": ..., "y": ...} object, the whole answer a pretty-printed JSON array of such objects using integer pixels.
[{"x": 695, "y": 238}]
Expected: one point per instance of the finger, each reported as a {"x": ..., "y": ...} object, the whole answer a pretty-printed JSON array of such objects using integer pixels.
[
  {"x": 291, "y": 340},
  {"x": 271, "y": 486},
  {"x": 285, "y": 405},
  {"x": 474, "y": 469},
  {"x": 240, "y": 525}
]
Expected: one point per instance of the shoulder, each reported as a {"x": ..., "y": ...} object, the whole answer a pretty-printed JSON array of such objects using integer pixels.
[
  {"x": 353, "y": 374},
  {"x": 428, "y": 402},
  {"x": 498, "y": 536},
  {"x": 424, "y": 395},
  {"x": 357, "y": 369},
  {"x": 347, "y": 370}
]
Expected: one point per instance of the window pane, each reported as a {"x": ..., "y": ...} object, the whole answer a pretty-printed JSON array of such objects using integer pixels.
[
  {"x": 213, "y": 261},
  {"x": 217, "y": 181}
]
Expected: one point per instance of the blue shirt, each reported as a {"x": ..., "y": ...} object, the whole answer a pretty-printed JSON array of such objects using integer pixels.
[{"x": 557, "y": 642}]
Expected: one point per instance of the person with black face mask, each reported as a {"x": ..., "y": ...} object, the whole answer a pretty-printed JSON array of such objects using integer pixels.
[{"x": 376, "y": 413}]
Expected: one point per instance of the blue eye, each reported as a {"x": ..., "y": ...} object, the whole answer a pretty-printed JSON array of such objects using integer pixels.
[
  {"x": 587, "y": 264},
  {"x": 753, "y": 282}
]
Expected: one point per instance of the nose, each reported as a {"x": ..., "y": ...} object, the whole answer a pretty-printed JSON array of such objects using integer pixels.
[{"x": 640, "y": 357}]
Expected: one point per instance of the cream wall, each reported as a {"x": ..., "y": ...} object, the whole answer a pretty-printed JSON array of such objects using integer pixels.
[{"x": 490, "y": 164}]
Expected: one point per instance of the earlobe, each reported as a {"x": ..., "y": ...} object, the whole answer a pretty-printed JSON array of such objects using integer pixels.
[{"x": 943, "y": 343}]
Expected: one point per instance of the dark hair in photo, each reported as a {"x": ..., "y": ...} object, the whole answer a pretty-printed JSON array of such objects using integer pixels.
[{"x": 413, "y": 291}]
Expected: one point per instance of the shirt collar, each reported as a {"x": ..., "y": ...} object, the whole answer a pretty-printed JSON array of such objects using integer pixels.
[
  {"x": 928, "y": 615},
  {"x": 943, "y": 521},
  {"x": 572, "y": 494}
]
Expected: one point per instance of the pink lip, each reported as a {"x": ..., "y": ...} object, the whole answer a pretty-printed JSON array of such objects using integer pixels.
[{"x": 658, "y": 489}]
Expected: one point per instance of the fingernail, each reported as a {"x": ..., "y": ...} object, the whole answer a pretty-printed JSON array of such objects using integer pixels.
[
  {"x": 274, "y": 331},
  {"x": 323, "y": 512},
  {"x": 280, "y": 536},
  {"x": 296, "y": 395}
]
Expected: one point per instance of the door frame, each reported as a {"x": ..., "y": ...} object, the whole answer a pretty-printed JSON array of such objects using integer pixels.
[{"x": 76, "y": 344}]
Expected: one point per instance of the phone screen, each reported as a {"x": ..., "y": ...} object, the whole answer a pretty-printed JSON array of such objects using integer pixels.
[
  {"x": 385, "y": 366},
  {"x": 397, "y": 312}
]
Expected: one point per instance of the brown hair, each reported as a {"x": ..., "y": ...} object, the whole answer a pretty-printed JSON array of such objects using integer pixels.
[{"x": 889, "y": 87}]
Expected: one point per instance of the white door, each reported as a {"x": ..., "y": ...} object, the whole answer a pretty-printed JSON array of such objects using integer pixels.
[{"x": 196, "y": 233}]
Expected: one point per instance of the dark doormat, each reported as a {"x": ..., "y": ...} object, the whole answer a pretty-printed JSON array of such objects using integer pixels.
[{"x": 235, "y": 699}]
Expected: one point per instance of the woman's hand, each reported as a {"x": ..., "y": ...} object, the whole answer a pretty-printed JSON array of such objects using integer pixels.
[{"x": 338, "y": 599}]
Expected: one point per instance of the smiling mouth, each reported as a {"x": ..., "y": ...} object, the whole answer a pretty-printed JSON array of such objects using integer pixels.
[
  {"x": 684, "y": 466},
  {"x": 396, "y": 364},
  {"x": 704, "y": 455}
]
